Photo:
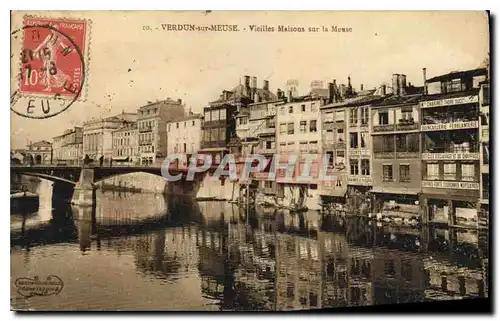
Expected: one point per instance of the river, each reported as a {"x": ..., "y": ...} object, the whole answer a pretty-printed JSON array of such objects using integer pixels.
[{"x": 149, "y": 252}]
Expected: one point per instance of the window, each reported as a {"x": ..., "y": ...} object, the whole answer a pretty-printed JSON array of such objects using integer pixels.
[
  {"x": 282, "y": 128},
  {"x": 290, "y": 129},
  {"x": 312, "y": 126},
  {"x": 222, "y": 133},
  {"x": 387, "y": 172},
  {"x": 222, "y": 114},
  {"x": 407, "y": 113},
  {"x": 290, "y": 110},
  {"x": 303, "y": 146},
  {"x": 215, "y": 115},
  {"x": 303, "y": 108},
  {"x": 328, "y": 117},
  {"x": 193, "y": 123},
  {"x": 313, "y": 146},
  {"x": 450, "y": 171},
  {"x": 339, "y": 116},
  {"x": 303, "y": 125},
  {"x": 364, "y": 115},
  {"x": 168, "y": 127},
  {"x": 282, "y": 110},
  {"x": 354, "y": 166},
  {"x": 353, "y": 116},
  {"x": 383, "y": 117},
  {"x": 353, "y": 140},
  {"x": 340, "y": 135},
  {"x": 433, "y": 171},
  {"x": 365, "y": 167},
  {"x": 314, "y": 107},
  {"x": 271, "y": 123},
  {"x": 404, "y": 173},
  {"x": 282, "y": 147},
  {"x": 468, "y": 172},
  {"x": 362, "y": 137},
  {"x": 340, "y": 159}
]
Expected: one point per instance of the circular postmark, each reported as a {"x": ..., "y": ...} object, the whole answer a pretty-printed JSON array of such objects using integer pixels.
[{"x": 52, "y": 67}]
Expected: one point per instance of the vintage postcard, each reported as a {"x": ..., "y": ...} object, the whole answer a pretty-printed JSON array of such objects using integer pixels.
[{"x": 249, "y": 161}]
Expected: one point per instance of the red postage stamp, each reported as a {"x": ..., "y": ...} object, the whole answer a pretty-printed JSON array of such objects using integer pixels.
[{"x": 53, "y": 57}]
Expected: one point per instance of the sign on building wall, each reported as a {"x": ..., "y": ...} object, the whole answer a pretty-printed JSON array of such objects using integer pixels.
[
  {"x": 450, "y": 126},
  {"x": 450, "y": 156},
  {"x": 449, "y": 101},
  {"x": 454, "y": 185},
  {"x": 359, "y": 180}
]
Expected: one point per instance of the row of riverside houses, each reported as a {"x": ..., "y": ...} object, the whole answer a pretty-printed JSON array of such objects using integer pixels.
[{"x": 396, "y": 149}]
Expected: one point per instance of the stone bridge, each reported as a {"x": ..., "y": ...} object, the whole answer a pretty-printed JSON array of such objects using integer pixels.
[{"x": 78, "y": 183}]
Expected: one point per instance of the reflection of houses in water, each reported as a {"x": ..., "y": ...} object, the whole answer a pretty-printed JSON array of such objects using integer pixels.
[
  {"x": 122, "y": 209},
  {"x": 169, "y": 253}
]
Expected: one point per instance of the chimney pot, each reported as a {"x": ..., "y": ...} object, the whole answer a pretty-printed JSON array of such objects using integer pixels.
[
  {"x": 424, "y": 72},
  {"x": 265, "y": 85},
  {"x": 361, "y": 87}
]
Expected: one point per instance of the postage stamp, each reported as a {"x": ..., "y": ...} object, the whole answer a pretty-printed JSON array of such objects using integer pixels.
[{"x": 52, "y": 65}]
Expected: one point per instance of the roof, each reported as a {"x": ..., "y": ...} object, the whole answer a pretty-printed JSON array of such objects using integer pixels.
[
  {"x": 187, "y": 117},
  {"x": 459, "y": 74},
  {"x": 355, "y": 101},
  {"x": 41, "y": 143},
  {"x": 239, "y": 92},
  {"x": 128, "y": 117},
  {"x": 394, "y": 100}
]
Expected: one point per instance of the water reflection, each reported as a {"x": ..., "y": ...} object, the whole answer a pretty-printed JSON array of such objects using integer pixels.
[{"x": 176, "y": 254}]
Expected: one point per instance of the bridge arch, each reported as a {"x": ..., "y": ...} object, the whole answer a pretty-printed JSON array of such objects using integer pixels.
[{"x": 49, "y": 177}]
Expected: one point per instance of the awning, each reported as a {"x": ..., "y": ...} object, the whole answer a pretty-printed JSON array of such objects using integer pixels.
[
  {"x": 393, "y": 190},
  {"x": 121, "y": 158},
  {"x": 214, "y": 149},
  {"x": 336, "y": 192}
]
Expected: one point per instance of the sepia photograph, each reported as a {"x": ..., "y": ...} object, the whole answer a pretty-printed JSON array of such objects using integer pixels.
[{"x": 249, "y": 160}]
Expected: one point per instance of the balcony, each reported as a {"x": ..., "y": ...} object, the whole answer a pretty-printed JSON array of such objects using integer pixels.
[
  {"x": 485, "y": 133},
  {"x": 145, "y": 142},
  {"x": 404, "y": 125},
  {"x": 359, "y": 180},
  {"x": 266, "y": 132},
  {"x": 407, "y": 155},
  {"x": 330, "y": 144},
  {"x": 265, "y": 151},
  {"x": 384, "y": 128},
  {"x": 384, "y": 155},
  {"x": 145, "y": 129}
]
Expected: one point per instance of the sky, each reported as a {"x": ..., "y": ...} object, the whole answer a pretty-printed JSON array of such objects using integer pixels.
[{"x": 129, "y": 66}]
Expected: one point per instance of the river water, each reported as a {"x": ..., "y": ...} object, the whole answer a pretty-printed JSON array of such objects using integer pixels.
[{"x": 149, "y": 252}]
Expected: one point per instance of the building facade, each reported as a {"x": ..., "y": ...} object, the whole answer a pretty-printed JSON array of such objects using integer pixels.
[
  {"x": 451, "y": 169},
  {"x": 98, "y": 135},
  {"x": 125, "y": 146},
  {"x": 484, "y": 156},
  {"x": 39, "y": 153},
  {"x": 68, "y": 147},
  {"x": 184, "y": 135},
  {"x": 219, "y": 125},
  {"x": 152, "y": 122},
  {"x": 299, "y": 133},
  {"x": 396, "y": 155}
]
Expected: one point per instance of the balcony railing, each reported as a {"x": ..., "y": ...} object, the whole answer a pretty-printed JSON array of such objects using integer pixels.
[
  {"x": 145, "y": 129},
  {"x": 384, "y": 128},
  {"x": 266, "y": 131},
  {"x": 486, "y": 193},
  {"x": 407, "y": 126},
  {"x": 265, "y": 150},
  {"x": 384, "y": 155},
  {"x": 407, "y": 155}
]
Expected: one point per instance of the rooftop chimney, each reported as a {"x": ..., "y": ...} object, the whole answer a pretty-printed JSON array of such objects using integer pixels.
[
  {"x": 265, "y": 85},
  {"x": 179, "y": 101},
  {"x": 424, "y": 71},
  {"x": 279, "y": 93},
  {"x": 253, "y": 86},
  {"x": 290, "y": 96},
  {"x": 383, "y": 90},
  {"x": 395, "y": 84},
  {"x": 331, "y": 92},
  {"x": 402, "y": 84},
  {"x": 361, "y": 87}
]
